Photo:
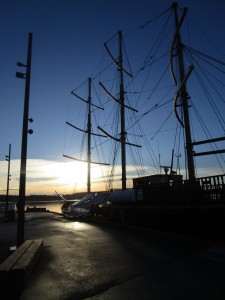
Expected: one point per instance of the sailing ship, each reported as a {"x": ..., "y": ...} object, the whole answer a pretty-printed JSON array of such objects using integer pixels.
[
  {"x": 166, "y": 200},
  {"x": 82, "y": 207}
]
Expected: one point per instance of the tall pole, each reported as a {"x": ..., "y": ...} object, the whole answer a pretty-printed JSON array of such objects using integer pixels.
[
  {"x": 89, "y": 138},
  {"x": 184, "y": 97},
  {"x": 8, "y": 157},
  {"x": 22, "y": 186},
  {"x": 122, "y": 115}
]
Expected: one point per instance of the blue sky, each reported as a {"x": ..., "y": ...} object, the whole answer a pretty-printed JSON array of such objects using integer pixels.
[{"x": 68, "y": 38}]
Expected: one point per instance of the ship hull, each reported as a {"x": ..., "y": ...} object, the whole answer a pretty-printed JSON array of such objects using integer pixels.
[{"x": 186, "y": 208}]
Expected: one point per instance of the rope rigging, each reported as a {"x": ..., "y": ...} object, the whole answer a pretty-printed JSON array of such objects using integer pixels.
[
  {"x": 154, "y": 19},
  {"x": 148, "y": 63},
  {"x": 156, "y": 99},
  {"x": 208, "y": 135},
  {"x": 212, "y": 103}
]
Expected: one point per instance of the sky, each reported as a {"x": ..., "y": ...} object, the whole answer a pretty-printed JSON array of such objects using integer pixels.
[{"x": 68, "y": 46}]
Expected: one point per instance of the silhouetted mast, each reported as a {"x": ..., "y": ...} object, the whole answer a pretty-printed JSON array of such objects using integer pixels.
[
  {"x": 89, "y": 138},
  {"x": 89, "y": 133},
  {"x": 121, "y": 99},
  {"x": 182, "y": 92},
  {"x": 122, "y": 114}
]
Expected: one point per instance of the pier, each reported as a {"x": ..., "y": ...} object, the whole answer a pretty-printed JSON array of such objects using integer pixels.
[{"x": 82, "y": 260}]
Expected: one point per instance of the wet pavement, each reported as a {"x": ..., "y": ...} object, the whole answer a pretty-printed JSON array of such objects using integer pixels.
[{"x": 97, "y": 261}]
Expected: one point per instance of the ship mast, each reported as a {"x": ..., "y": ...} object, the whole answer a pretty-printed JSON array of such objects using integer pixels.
[
  {"x": 183, "y": 92},
  {"x": 121, "y": 102},
  {"x": 122, "y": 114},
  {"x": 89, "y": 138},
  {"x": 89, "y": 134}
]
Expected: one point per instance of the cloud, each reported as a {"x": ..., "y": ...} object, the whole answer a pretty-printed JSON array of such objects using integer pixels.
[
  {"x": 41, "y": 179},
  {"x": 47, "y": 176}
]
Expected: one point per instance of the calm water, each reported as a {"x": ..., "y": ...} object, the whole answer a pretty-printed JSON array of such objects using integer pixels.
[{"x": 54, "y": 206}]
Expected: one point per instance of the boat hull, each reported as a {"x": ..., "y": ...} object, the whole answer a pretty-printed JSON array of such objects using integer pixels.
[{"x": 186, "y": 208}]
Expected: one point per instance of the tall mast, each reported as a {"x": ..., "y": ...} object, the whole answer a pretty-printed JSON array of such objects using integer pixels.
[
  {"x": 122, "y": 114},
  {"x": 89, "y": 138},
  {"x": 184, "y": 95},
  {"x": 89, "y": 134},
  {"x": 121, "y": 102}
]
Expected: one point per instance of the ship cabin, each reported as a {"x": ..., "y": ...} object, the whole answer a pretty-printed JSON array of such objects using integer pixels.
[{"x": 157, "y": 179}]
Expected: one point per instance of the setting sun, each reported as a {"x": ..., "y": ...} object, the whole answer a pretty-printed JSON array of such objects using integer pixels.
[{"x": 70, "y": 173}]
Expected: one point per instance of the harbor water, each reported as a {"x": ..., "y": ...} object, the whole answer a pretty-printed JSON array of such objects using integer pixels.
[{"x": 53, "y": 206}]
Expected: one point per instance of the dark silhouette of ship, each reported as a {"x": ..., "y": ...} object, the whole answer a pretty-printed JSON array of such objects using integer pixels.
[{"x": 165, "y": 201}]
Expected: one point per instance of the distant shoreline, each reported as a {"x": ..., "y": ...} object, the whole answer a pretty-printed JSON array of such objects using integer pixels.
[{"x": 37, "y": 198}]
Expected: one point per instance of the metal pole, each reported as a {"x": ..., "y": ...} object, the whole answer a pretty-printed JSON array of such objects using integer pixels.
[
  {"x": 8, "y": 178},
  {"x": 22, "y": 188}
]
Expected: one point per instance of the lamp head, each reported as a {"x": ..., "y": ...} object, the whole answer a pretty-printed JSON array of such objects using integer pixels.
[{"x": 20, "y": 75}]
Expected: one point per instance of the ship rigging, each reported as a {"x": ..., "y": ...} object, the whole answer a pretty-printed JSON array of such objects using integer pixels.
[{"x": 135, "y": 98}]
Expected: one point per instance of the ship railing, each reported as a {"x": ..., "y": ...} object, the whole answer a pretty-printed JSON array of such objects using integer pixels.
[
  {"x": 212, "y": 182},
  {"x": 204, "y": 189},
  {"x": 213, "y": 187}
]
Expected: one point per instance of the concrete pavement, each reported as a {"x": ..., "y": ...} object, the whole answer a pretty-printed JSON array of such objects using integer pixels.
[{"x": 97, "y": 261}]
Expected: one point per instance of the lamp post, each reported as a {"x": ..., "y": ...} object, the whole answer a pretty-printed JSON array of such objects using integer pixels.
[
  {"x": 7, "y": 158},
  {"x": 22, "y": 187}
]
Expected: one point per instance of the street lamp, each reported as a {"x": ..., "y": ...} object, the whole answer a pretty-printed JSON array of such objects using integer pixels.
[
  {"x": 20, "y": 75},
  {"x": 7, "y": 158},
  {"x": 19, "y": 64},
  {"x": 22, "y": 187}
]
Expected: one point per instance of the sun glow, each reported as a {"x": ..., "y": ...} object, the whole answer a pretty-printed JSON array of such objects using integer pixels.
[
  {"x": 70, "y": 173},
  {"x": 48, "y": 176}
]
